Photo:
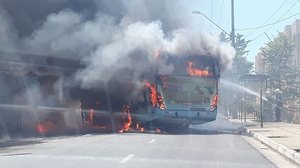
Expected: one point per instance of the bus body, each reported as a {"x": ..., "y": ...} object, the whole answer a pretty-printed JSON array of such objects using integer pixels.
[
  {"x": 188, "y": 100},
  {"x": 188, "y": 95}
]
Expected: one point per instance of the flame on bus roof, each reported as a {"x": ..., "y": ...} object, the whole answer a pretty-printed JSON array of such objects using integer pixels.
[{"x": 193, "y": 71}]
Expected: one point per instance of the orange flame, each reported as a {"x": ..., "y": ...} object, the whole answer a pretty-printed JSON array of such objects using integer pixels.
[
  {"x": 44, "y": 127},
  {"x": 160, "y": 102},
  {"x": 214, "y": 102},
  {"x": 137, "y": 127},
  {"x": 193, "y": 71},
  {"x": 153, "y": 93},
  {"x": 126, "y": 118}
]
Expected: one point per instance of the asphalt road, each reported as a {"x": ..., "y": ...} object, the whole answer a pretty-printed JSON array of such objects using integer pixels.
[{"x": 191, "y": 149}]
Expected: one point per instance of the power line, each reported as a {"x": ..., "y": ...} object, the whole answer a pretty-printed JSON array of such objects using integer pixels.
[
  {"x": 275, "y": 12},
  {"x": 267, "y": 18},
  {"x": 278, "y": 20},
  {"x": 289, "y": 9}
]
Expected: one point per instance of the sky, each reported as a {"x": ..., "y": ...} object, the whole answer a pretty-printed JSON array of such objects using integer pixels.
[{"x": 248, "y": 14}]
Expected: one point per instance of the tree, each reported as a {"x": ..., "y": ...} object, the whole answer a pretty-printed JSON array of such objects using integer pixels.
[
  {"x": 241, "y": 65},
  {"x": 277, "y": 54},
  {"x": 282, "y": 74}
]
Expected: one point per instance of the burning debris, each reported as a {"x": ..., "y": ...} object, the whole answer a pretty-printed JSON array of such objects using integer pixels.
[
  {"x": 44, "y": 127},
  {"x": 126, "y": 118},
  {"x": 160, "y": 102},
  {"x": 137, "y": 127},
  {"x": 127, "y": 121},
  {"x": 53, "y": 123}
]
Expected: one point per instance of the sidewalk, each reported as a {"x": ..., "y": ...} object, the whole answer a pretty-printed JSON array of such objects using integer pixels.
[{"x": 280, "y": 136}]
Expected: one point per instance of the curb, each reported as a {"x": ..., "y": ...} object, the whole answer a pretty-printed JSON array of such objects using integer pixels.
[{"x": 289, "y": 153}]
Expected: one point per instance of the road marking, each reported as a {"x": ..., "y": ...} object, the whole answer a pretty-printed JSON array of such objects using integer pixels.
[
  {"x": 127, "y": 158},
  {"x": 153, "y": 140}
]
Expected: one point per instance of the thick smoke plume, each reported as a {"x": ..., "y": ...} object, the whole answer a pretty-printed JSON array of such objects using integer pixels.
[
  {"x": 142, "y": 39},
  {"x": 110, "y": 36}
]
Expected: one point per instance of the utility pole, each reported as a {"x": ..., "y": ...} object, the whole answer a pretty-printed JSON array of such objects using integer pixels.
[
  {"x": 261, "y": 104},
  {"x": 232, "y": 25},
  {"x": 232, "y": 36}
]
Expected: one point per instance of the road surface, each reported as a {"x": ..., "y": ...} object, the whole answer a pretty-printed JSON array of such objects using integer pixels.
[{"x": 191, "y": 149}]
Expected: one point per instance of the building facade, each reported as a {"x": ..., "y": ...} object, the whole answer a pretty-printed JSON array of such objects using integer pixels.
[
  {"x": 259, "y": 64},
  {"x": 293, "y": 33}
]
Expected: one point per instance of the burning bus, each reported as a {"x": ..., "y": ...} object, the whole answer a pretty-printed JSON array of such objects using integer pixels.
[{"x": 188, "y": 95}]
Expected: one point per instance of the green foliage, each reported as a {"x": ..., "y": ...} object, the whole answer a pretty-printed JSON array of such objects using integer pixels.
[
  {"x": 277, "y": 54},
  {"x": 282, "y": 74},
  {"x": 241, "y": 45},
  {"x": 241, "y": 65}
]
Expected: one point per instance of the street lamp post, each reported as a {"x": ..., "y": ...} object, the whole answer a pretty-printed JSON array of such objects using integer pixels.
[
  {"x": 198, "y": 12},
  {"x": 232, "y": 34}
]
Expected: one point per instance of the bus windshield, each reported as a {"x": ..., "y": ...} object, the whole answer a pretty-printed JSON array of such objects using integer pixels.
[
  {"x": 195, "y": 66},
  {"x": 191, "y": 90}
]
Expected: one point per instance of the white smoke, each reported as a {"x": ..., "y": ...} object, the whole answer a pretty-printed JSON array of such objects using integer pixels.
[
  {"x": 7, "y": 32},
  {"x": 186, "y": 43},
  {"x": 111, "y": 57},
  {"x": 149, "y": 37},
  {"x": 125, "y": 35},
  {"x": 107, "y": 46},
  {"x": 66, "y": 34}
]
